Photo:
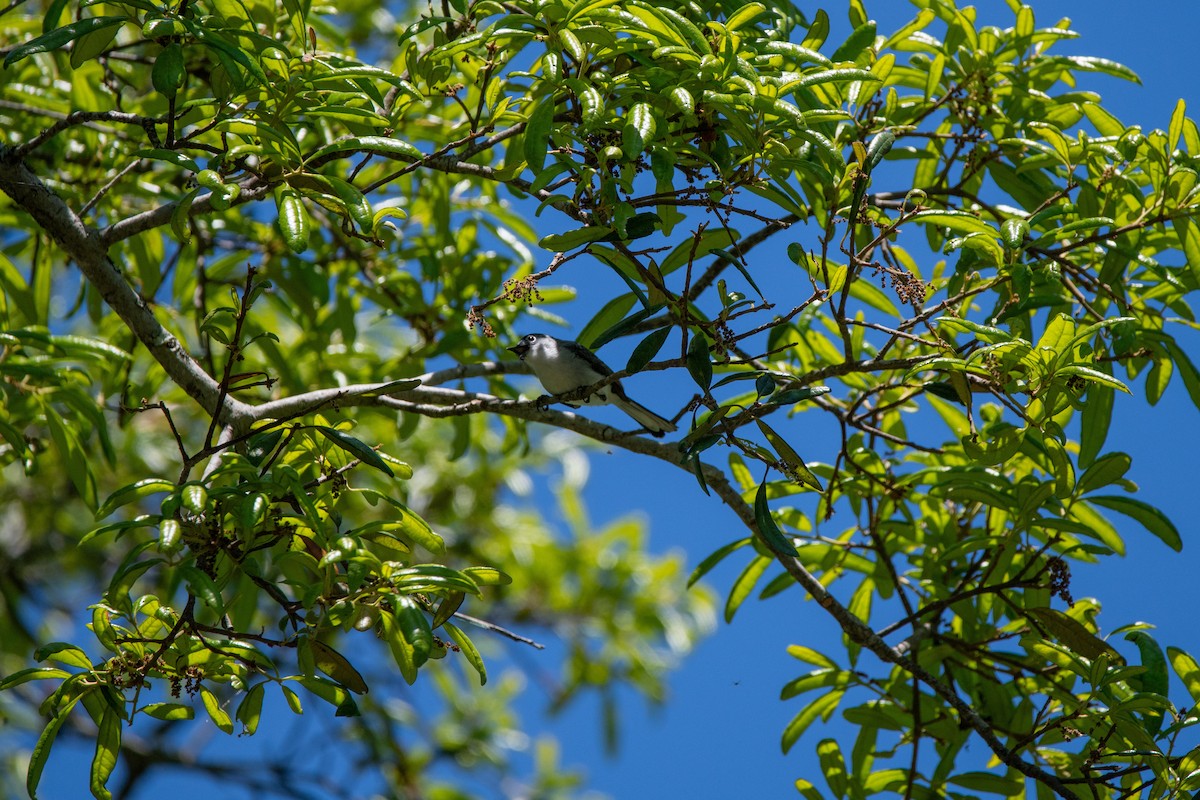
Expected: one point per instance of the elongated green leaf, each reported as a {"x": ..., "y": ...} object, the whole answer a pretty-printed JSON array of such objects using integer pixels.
[
  {"x": 61, "y": 36},
  {"x": 1188, "y": 671},
  {"x": 1108, "y": 469},
  {"x": 249, "y": 711},
  {"x": 414, "y": 626},
  {"x": 714, "y": 558},
  {"x": 41, "y": 750},
  {"x": 1093, "y": 376},
  {"x": 108, "y": 745},
  {"x": 445, "y": 610},
  {"x": 647, "y": 349},
  {"x": 357, "y": 449},
  {"x": 32, "y": 674},
  {"x": 203, "y": 587},
  {"x": 744, "y": 585},
  {"x": 1155, "y": 679},
  {"x": 767, "y": 528},
  {"x": 63, "y": 653},
  {"x": 959, "y": 221},
  {"x": 1071, "y": 633},
  {"x": 169, "y": 711},
  {"x": 562, "y": 242},
  {"x": 369, "y": 144},
  {"x": 810, "y": 656},
  {"x": 1150, "y": 517},
  {"x": 794, "y": 466},
  {"x": 337, "y": 666},
  {"x": 987, "y": 782},
  {"x": 469, "y": 651},
  {"x": 132, "y": 493},
  {"x": 698, "y": 362},
  {"x": 333, "y": 694},
  {"x": 537, "y": 134},
  {"x": 823, "y": 706}
]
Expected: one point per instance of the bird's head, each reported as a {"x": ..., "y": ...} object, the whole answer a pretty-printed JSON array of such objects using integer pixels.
[{"x": 528, "y": 342}]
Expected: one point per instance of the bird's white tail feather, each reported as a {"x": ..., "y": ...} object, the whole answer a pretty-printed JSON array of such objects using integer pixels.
[{"x": 644, "y": 416}]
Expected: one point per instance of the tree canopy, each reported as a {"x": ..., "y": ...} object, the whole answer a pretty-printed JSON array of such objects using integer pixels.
[{"x": 262, "y": 442}]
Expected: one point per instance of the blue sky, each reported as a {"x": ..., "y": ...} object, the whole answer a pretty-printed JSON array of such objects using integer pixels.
[{"x": 718, "y": 736}]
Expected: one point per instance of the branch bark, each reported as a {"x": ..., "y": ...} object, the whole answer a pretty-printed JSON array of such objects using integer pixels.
[{"x": 84, "y": 246}]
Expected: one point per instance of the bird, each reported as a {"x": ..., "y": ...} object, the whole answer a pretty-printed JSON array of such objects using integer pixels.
[{"x": 563, "y": 366}]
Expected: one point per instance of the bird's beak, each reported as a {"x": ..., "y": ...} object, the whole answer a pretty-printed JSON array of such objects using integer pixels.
[{"x": 519, "y": 350}]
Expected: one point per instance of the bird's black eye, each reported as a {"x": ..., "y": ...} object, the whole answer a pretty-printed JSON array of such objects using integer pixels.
[{"x": 530, "y": 338}]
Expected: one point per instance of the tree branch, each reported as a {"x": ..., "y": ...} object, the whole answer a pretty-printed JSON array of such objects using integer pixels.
[{"x": 87, "y": 249}]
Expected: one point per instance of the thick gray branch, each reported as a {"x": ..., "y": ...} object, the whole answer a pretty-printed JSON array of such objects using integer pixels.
[{"x": 84, "y": 246}]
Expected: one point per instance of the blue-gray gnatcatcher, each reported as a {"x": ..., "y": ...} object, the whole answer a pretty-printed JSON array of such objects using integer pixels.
[{"x": 563, "y": 366}]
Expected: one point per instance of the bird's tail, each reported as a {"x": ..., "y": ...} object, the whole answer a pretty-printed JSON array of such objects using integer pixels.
[{"x": 644, "y": 416}]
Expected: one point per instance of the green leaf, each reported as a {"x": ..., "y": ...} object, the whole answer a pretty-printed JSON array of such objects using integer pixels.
[
  {"x": 487, "y": 576},
  {"x": 1155, "y": 679},
  {"x": 369, "y": 144},
  {"x": 356, "y": 448},
  {"x": 1150, "y": 517},
  {"x": 987, "y": 782},
  {"x": 337, "y": 666},
  {"x": 132, "y": 493},
  {"x": 823, "y": 706},
  {"x": 858, "y": 41},
  {"x": 202, "y": 586},
  {"x": 292, "y": 219},
  {"x": 1071, "y": 633},
  {"x": 768, "y": 530},
  {"x": 714, "y": 558},
  {"x": 791, "y": 397},
  {"x": 469, "y": 651},
  {"x": 32, "y": 674},
  {"x": 63, "y": 653},
  {"x": 1093, "y": 376},
  {"x": 41, "y": 750},
  {"x": 608, "y": 316},
  {"x": 640, "y": 128},
  {"x": 108, "y": 745},
  {"x": 358, "y": 208},
  {"x": 170, "y": 157},
  {"x": 1188, "y": 671},
  {"x": 61, "y": 36},
  {"x": 414, "y": 626},
  {"x": 563, "y": 242},
  {"x": 1106, "y": 470},
  {"x": 698, "y": 362},
  {"x": 333, "y": 694},
  {"x": 169, "y": 711},
  {"x": 743, "y": 587},
  {"x": 217, "y": 714},
  {"x": 1103, "y": 65},
  {"x": 958, "y": 221},
  {"x": 537, "y": 134},
  {"x": 810, "y": 656},
  {"x": 1187, "y": 369},
  {"x": 647, "y": 349},
  {"x": 445, "y": 610},
  {"x": 249, "y": 711},
  {"x": 1094, "y": 422},
  {"x": 794, "y": 466},
  {"x": 293, "y": 700}
]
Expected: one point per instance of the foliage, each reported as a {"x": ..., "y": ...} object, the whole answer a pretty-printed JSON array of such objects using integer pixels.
[{"x": 263, "y": 224}]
